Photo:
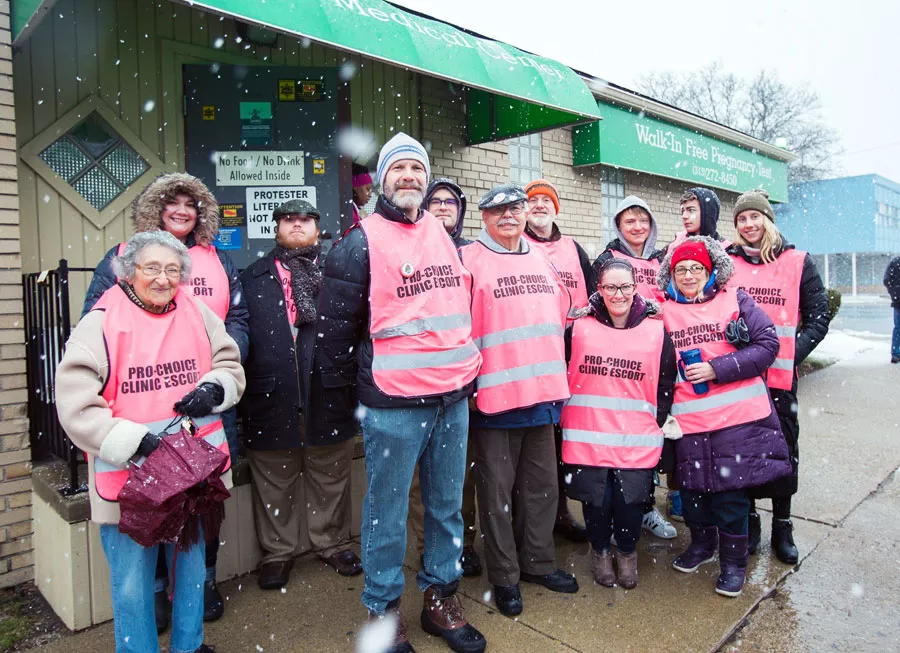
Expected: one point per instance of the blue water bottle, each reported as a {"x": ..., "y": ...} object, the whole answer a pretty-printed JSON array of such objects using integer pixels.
[{"x": 689, "y": 357}]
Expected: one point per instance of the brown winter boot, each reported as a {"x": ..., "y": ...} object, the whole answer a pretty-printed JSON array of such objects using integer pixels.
[
  {"x": 602, "y": 567},
  {"x": 442, "y": 615},
  {"x": 401, "y": 640},
  {"x": 627, "y": 564}
]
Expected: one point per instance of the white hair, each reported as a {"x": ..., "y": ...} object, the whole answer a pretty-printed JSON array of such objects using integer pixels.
[{"x": 124, "y": 264}]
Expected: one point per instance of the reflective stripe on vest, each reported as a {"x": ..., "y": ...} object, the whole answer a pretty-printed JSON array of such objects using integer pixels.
[
  {"x": 154, "y": 360},
  {"x": 702, "y": 326},
  {"x": 208, "y": 281},
  {"x": 564, "y": 255},
  {"x": 644, "y": 275},
  {"x": 610, "y": 421},
  {"x": 419, "y": 319},
  {"x": 519, "y": 308},
  {"x": 775, "y": 287}
]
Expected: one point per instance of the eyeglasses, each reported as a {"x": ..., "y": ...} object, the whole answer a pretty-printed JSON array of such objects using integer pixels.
[
  {"x": 152, "y": 271},
  {"x": 436, "y": 202},
  {"x": 695, "y": 270},
  {"x": 515, "y": 209},
  {"x": 610, "y": 290}
]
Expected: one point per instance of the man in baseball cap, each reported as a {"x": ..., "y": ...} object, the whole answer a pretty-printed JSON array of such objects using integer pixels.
[{"x": 284, "y": 447}]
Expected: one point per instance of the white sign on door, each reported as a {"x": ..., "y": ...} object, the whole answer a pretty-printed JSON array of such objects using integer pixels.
[
  {"x": 262, "y": 202},
  {"x": 259, "y": 168}
]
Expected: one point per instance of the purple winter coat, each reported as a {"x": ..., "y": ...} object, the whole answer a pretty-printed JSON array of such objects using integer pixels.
[{"x": 749, "y": 454}]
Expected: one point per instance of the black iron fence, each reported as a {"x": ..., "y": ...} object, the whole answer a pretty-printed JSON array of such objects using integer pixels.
[{"x": 47, "y": 327}]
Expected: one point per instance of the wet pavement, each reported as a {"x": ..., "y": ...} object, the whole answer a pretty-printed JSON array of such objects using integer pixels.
[{"x": 841, "y": 597}]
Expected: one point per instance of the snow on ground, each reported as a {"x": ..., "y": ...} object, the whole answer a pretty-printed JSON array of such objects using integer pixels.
[{"x": 841, "y": 345}]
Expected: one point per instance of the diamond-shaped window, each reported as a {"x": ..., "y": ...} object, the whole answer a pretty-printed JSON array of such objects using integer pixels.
[{"x": 95, "y": 161}]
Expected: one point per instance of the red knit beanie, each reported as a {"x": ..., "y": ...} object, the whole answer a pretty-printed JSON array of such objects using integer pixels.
[
  {"x": 693, "y": 251},
  {"x": 543, "y": 187}
]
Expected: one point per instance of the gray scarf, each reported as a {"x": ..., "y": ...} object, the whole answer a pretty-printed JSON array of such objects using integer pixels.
[{"x": 306, "y": 278}]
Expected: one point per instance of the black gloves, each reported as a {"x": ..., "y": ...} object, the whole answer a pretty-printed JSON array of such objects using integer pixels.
[
  {"x": 149, "y": 443},
  {"x": 737, "y": 334},
  {"x": 200, "y": 401}
]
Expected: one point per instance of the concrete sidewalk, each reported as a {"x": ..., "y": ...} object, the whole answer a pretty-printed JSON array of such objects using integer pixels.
[{"x": 841, "y": 597}]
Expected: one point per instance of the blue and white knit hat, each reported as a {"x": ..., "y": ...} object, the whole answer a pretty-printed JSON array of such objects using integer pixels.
[{"x": 401, "y": 147}]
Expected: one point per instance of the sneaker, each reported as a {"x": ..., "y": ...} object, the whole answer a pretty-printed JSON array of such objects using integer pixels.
[
  {"x": 895, "y": 359},
  {"x": 655, "y": 523},
  {"x": 673, "y": 506}
]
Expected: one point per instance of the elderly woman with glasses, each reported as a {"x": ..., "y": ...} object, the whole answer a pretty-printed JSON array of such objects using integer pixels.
[
  {"x": 621, "y": 376},
  {"x": 732, "y": 438},
  {"x": 146, "y": 353},
  {"x": 183, "y": 206}
]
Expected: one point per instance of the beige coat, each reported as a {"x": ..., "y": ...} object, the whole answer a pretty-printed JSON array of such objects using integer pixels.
[{"x": 87, "y": 418}]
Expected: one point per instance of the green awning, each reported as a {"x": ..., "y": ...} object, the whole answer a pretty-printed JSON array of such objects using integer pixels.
[
  {"x": 634, "y": 140},
  {"x": 26, "y": 14},
  {"x": 537, "y": 92}
]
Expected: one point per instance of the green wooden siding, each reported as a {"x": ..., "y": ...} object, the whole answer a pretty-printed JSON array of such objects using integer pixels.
[{"x": 129, "y": 53}]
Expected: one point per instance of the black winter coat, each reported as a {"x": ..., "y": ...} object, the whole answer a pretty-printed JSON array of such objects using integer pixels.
[
  {"x": 814, "y": 320},
  {"x": 235, "y": 320},
  {"x": 278, "y": 368},
  {"x": 892, "y": 281},
  {"x": 344, "y": 351},
  {"x": 589, "y": 483}
]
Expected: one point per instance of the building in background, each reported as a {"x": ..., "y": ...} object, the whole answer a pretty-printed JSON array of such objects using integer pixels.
[
  {"x": 851, "y": 226},
  {"x": 98, "y": 97}
]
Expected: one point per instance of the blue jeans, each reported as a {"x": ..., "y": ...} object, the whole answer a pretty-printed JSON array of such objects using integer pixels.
[
  {"x": 895, "y": 338},
  {"x": 395, "y": 440},
  {"x": 132, "y": 568}
]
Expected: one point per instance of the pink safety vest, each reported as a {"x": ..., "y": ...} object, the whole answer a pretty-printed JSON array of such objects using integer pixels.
[
  {"x": 291, "y": 308},
  {"x": 208, "y": 281},
  {"x": 645, "y": 272},
  {"x": 702, "y": 326},
  {"x": 419, "y": 318},
  {"x": 519, "y": 309},
  {"x": 154, "y": 360},
  {"x": 564, "y": 256},
  {"x": 680, "y": 237},
  {"x": 776, "y": 289},
  {"x": 610, "y": 421}
]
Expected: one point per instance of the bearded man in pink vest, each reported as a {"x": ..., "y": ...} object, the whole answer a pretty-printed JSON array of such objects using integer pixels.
[
  {"x": 395, "y": 346},
  {"x": 577, "y": 273},
  {"x": 519, "y": 310}
]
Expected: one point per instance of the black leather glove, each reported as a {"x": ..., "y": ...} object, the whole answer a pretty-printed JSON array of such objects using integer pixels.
[
  {"x": 737, "y": 334},
  {"x": 149, "y": 443},
  {"x": 200, "y": 401}
]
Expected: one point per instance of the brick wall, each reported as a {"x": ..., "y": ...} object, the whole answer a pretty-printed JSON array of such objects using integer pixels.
[
  {"x": 479, "y": 167},
  {"x": 16, "y": 558},
  {"x": 579, "y": 191}
]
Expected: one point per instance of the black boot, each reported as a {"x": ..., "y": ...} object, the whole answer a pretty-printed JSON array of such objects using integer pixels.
[
  {"x": 213, "y": 605},
  {"x": 754, "y": 533},
  {"x": 783, "y": 541},
  {"x": 161, "y": 607}
]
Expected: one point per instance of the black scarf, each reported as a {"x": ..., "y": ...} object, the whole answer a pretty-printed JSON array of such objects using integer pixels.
[{"x": 306, "y": 278}]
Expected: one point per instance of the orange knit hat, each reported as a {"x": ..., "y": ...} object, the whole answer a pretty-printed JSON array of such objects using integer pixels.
[{"x": 543, "y": 187}]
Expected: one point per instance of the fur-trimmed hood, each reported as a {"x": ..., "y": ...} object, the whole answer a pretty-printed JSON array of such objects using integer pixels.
[
  {"x": 148, "y": 206},
  {"x": 722, "y": 264}
]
